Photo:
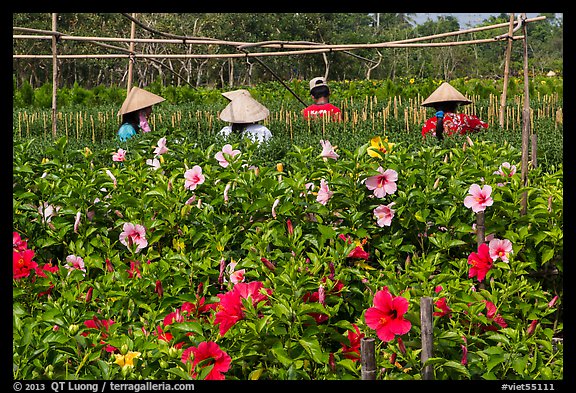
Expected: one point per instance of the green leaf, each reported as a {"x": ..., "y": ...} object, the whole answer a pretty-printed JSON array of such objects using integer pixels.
[
  {"x": 312, "y": 347},
  {"x": 459, "y": 367},
  {"x": 281, "y": 354},
  {"x": 179, "y": 373}
]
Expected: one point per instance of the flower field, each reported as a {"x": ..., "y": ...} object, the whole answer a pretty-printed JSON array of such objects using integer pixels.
[{"x": 171, "y": 260}]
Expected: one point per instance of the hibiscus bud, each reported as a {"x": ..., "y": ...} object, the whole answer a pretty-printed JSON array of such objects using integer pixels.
[
  {"x": 159, "y": 289},
  {"x": 436, "y": 183},
  {"x": 118, "y": 213},
  {"x": 109, "y": 266},
  {"x": 222, "y": 268},
  {"x": 469, "y": 141},
  {"x": 200, "y": 288},
  {"x": 173, "y": 352},
  {"x": 332, "y": 271},
  {"x": 401, "y": 346},
  {"x": 89, "y": 294},
  {"x": 268, "y": 264},
  {"x": 289, "y": 226},
  {"x": 446, "y": 159},
  {"x": 553, "y": 301},
  {"x": 393, "y": 358},
  {"x": 331, "y": 362},
  {"x": 321, "y": 295},
  {"x": 73, "y": 329},
  {"x": 532, "y": 327}
]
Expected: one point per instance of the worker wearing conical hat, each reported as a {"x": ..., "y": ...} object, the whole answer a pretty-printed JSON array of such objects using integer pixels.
[
  {"x": 243, "y": 113},
  {"x": 445, "y": 100},
  {"x": 135, "y": 111}
]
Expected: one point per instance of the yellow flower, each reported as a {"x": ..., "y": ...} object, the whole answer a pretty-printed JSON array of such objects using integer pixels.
[
  {"x": 126, "y": 360},
  {"x": 178, "y": 245},
  {"x": 45, "y": 160},
  {"x": 377, "y": 146},
  {"x": 280, "y": 167},
  {"x": 87, "y": 152},
  {"x": 412, "y": 81}
]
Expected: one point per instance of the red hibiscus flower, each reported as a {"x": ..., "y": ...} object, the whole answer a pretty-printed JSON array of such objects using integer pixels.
[
  {"x": 443, "y": 306},
  {"x": 22, "y": 263},
  {"x": 481, "y": 262},
  {"x": 387, "y": 315},
  {"x": 353, "y": 351},
  {"x": 207, "y": 354}
]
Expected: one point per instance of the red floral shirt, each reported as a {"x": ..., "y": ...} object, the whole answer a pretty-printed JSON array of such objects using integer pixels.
[
  {"x": 455, "y": 123},
  {"x": 319, "y": 110}
]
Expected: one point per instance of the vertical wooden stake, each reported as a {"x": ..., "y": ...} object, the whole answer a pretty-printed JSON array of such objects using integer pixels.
[
  {"x": 525, "y": 122},
  {"x": 426, "y": 331},
  {"x": 131, "y": 59},
  {"x": 368, "y": 358},
  {"x": 480, "y": 228},
  {"x": 506, "y": 70},
  {"x": 54, "y": 73}
]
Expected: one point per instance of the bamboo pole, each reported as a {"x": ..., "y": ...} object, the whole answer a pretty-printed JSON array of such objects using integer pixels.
[
  {"x": 525, "y": 125},
  {"x": 506, "y": 71},
  {"x": 54, "y": 74},
  {"x": 275, "y": 44},
  {"x": 426, "y": 332},
  {"x": 131, "y": 61},
  {"x": 367, "y": 358}
]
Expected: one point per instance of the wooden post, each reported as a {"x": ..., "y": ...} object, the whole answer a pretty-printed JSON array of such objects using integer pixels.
[
  {"x": 506, "y": 70},
  {"x": 525, "y": 122},
  {"x": 368, "y": 358},
  {"x": 54, "y": 74},
  {"x": 480, "y": 228},
  {"x": 131, "y": 61},
  {"x": 426, "y": 331}
]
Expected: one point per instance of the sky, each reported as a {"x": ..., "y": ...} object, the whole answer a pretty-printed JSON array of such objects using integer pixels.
[{"x": 467, "y": 19}]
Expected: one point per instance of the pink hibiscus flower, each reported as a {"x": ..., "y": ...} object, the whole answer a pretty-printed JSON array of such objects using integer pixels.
[
  {"x": 384, "y": 214},
  {"x": 478, "y": 198},
  {"x": 384, "y": 183},
  {"x": 500, "y": 249},
  {"x": 328, "y": 150},
  {"x": 227, "y": 149},
  {"x": 133, "y": 234},
  {"x": 119, "y": 156},
  {"x": 193, "y": 177},
  {"x": 161, "y": 148},
  {"x": 506, "y": 170},
  {"x": 324, "y": 193},
  {"x": 73, "y": 262}
]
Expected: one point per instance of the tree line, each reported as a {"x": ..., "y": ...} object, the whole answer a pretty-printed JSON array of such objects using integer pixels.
[{"x": 486, "y": 60}]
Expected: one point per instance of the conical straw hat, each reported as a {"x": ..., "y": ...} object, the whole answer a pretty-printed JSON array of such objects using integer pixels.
[
  {"x": 244, "y": 109},
  {"x": 445, "y": 93},
  {"x": 231, "y": 94},
  {"x": 138, "y": 99}
]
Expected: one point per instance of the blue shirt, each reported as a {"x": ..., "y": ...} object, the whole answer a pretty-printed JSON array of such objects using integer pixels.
[{"x": 126, "y": 132}]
